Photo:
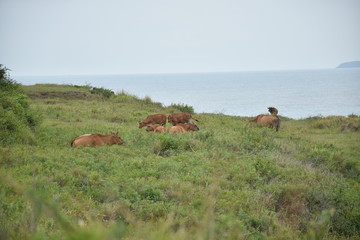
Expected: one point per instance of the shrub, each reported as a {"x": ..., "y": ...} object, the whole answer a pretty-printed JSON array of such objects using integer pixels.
[
  {"x": 16, "y": 118},
  {"x": 292, "y": 205},
  {"x": 6, "y": 83},
  {"x": 327, "y": 122},
  {"x": 106, "y": 93},
  {"x": 183, "y": 108},
  {"x": 147, "y": 100},
  {"x": 166, "y": 145}
]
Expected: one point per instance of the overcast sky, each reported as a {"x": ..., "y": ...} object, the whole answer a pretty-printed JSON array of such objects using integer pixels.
[{"x": 47, "y": 37}]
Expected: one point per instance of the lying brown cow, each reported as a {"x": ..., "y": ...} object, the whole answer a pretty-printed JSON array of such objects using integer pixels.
[
  {"x": 176, "y": 129},
  {"x": 160, "y": 129},
  {"x": 267, "y": 120},
  {"x": 180, "y": 128},
  {"x": 97, "y": 139},
  {"x": 153, "y": 119},
  {"x": 155, "y": 128},
  {"x": 177, "y": 118}
]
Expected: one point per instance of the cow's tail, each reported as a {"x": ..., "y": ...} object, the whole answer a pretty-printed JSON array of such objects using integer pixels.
[{"x": 72, "y": 142}]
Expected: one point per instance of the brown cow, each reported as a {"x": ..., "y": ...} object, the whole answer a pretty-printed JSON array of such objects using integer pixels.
[
  {"x": 160, "y": 129},
  {"x": 155, "y": 128},
  {"x": 176, "y": 118},
  {"x": 176, "y": 129},
  {"x": 151, "y": 127},
  {"x": 180, "y": 128},
  {"x": 153, "y": 119},
  {"x": 267, "y": 120},
  {"x": 188, "y": 127},
  {"x": 97, "y": 139}
]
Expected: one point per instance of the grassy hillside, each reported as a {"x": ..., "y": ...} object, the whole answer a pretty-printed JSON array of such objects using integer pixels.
[{"x": 230, "y": 180}]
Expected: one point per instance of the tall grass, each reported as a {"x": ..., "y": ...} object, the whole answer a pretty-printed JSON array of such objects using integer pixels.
[{"x": 230, "y": 180}]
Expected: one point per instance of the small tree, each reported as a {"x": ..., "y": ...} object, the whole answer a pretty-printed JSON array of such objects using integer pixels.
[{"x": 6, "y": 83}]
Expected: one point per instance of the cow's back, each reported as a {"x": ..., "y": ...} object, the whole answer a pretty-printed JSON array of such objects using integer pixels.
[
  {"x": 176, "y": 129},
  {"x": 84, "y": 140},
  {"x": 188, "y": 126},
  {"x": 155, "y": 128},
  {"x": 100, "y": 139},
  {"x": 268, "y": 120},
  {"x": 94, "y": 140},
  {"x": 158, "y": 118},
  {"x": 151, "y": 127},
  {"x": 160, "y": 129},
  {"x": 176, "y": 118}
]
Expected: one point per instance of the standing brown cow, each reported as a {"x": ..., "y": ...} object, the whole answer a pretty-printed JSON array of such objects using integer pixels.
[
  {"x": 267, "y": 120},
  {"x": 97, "y": 139},
  {"x": 153, "y": 119},
  {"x": 176, "y": 118}
]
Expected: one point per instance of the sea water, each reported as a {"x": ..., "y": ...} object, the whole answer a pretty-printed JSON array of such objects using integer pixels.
[{"x": 296, "y": 94}]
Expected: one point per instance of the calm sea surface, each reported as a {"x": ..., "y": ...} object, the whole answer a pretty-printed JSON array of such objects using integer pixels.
[{"x": 297, "y": 94}]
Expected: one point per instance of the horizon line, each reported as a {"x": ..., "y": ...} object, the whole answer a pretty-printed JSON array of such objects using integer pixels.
[{"x": 168, "y": 73}]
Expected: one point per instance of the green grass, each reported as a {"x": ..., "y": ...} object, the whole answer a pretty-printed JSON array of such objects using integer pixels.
[{"x": 230, "y": 180}]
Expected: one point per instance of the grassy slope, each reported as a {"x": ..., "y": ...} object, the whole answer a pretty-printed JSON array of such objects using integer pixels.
[{"x": 230, "y": 180}]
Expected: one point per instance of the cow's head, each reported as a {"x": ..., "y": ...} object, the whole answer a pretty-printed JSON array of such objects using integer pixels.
[
  {"x": 193, "y": 127},
  {"x": 151, "y": 127},
  {"x": 116, "y": 139},
  {"x": 141, "y": 124}
]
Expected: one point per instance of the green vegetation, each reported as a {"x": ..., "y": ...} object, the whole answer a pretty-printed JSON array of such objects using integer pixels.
[
  {"x": 230, "y": 180},
  {"x": 183, "y": 108},
  {"x": 17, "y": 120}
]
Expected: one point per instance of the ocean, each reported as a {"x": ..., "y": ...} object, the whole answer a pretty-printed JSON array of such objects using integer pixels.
[{"x": 296, "y": 94}]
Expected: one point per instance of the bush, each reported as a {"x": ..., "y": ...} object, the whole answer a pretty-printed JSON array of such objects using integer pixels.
[
  {"x": 7, "y": 84},
  {"x": 166, "y": 145},
  {"x": 106, "y": 93},
  {"x": 328, "y": 122},
  {"x": 16, "y": 118},
  {"x": 183, "y": 108}
]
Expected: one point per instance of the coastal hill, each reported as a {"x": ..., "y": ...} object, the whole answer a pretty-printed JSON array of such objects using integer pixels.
[
  {"x": 229, "y": 180},
  {"x": 353, "y": 64}
]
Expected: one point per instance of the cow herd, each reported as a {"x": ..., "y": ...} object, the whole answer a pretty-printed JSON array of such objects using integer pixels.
[{"x": 181, "y": 122}]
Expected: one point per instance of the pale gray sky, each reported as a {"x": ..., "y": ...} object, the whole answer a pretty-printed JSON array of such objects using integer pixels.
[{"x": 46, "y": 37}]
